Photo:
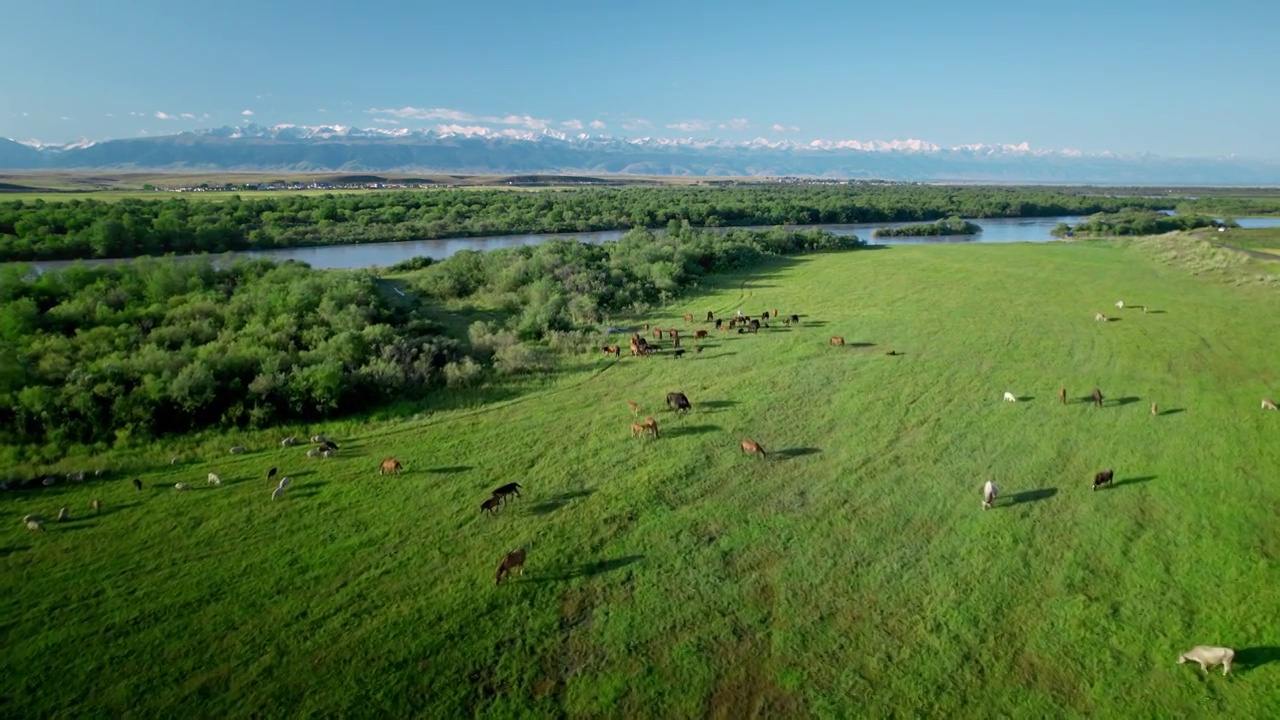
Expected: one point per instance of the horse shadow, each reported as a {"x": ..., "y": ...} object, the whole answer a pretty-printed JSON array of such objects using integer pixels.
[
  {"x": 691, "y": 430},
  {"x": 717, "y": 404},
  {"x": 450, "y": 470},
  {"x": 1133, "y": 480},
  {"x": 1112, "y": 319},
  {"x": 557, "y": 501},
  {"x": 1155, "y": 312},
  {"x": 1256, "y": 657},
  {"x": 1027, "y": 496},
  {"x": 585, "y": 570},
  {"x": 1126, "y": 400},
  {"x": 1171, "y": 411},
  {"x": 860, "y": 345},
  {"x": 1026, "y": 398},
  {"x": 11, "y": 549},
  {"x": 113, "y": 509},
  {"x": 789, "y": 453}
]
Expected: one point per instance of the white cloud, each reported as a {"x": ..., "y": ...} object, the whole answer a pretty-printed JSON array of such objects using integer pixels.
[
  {"x": 524, "y": 120},
  {"x": 111, "y": 115},
  {"x": 136, "y": 114},
  {"x": 24, "y": 114},
  {"x": 412, "y": 113},
  {"x": 187, "y": 116},
  {"x": 784, "y": 128},
  {"x": 572, "y": 125},
  {"x": 387, "y": 121},
  {"x": 163, "y": 115},
  {"x": 64, "y": 117},
  {"x": 455, "y": 129},
  {"x": 322, "y": 110},
  {"x": 736, "y": 124},
  {"x": 597, "y": 125},
  {"x": 635, "y": 124},
  {"x": 246, "y": 113},
  {"x": 689, "y": 126}
]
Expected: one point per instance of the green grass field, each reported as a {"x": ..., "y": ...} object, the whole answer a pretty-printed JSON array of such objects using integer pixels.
[{"x": 852, "y": 573}]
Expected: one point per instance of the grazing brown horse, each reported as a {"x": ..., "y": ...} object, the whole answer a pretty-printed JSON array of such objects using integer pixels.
[
  {"x": 749, "y": 446},
  {"x": 637, "y": 430},
  {"x": 613, "y": 350},
  {"x": 795, "y": 319},
  {"x": 511, "y": 561},
  {"x": 700, "y": 335},
  {"x": 1062, "y": 395},
  {"x": 673, "y": 333},
  {"x": 837, "y": 340},
  {"x": 635, "y": 408},
  {"x": 764, "y": 315},
  {"x": 1102, "y": 478},
  {"x": 688, "y": 317},
  {"x": 755, "y": 326},
  {"x": 390, "y": 465},
  {"x": 652, "y": 426},
  {"x": 1097, "y": 397},
  {"x": 490, "y": 504},
  {"x": 657, "y": 333}
]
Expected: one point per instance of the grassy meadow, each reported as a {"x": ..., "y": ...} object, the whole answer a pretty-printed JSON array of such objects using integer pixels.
[{"x": 851, "y": 573}]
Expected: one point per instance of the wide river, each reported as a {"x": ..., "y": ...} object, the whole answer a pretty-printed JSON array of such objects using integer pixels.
[{"x": 343, "y": 257}]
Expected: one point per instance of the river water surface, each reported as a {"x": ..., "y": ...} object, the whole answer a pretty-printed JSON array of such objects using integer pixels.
[{"x": 345, "y": 257}]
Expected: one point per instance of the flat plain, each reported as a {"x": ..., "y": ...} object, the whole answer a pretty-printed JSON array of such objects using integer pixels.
[{"x": 851, "y": 572}]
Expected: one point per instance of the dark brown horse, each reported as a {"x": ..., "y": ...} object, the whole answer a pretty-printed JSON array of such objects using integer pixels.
[
  {"x": 1102, "y": 478},
  {"x": 678, "y": 401},
  {"x": 490, "y": 504},
  {"x": 1097, "y": 397},
  {"x": 508, "y": 489},
  {"x": 710, "y": 316},
  {"x": 137, "y": 484},
  {"x": 749, "y": 446},
  {"x": 719, "y": 323},
  {"x": 513, "y": 560},
  {"x": 700, "y": 335}
]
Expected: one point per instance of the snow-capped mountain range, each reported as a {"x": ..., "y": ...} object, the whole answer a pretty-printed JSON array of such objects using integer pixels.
[{"x": 479, "y": 149}]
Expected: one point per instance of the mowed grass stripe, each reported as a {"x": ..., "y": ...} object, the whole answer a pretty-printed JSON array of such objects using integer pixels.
[{"x": 850, "y": 573}]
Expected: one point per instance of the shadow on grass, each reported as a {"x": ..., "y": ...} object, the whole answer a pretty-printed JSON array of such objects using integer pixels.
[
  {"x": 585, "y": 570},
  {"x": 449, "y": 470},
  {"x": 789, "y": 453},
  {"x": 555, "y": 502},
  {"x": 717, "y": 404},
  {"x": 11, "y": 549},
  {"x": 114, "y": 508},
  {"x": 1133, "y": 481},
  {"x": 1026, "y": 398},
  {"x": 690, "y": 430},
  {"x": 1256, "y": 657},
  {"x": 1172, "y": 411},
  {"x": 1027, "y": 496},
  {"x": 1154, "y": 312},
  {"x": 1127, "y": 400},
  {"x": 860, "y": 345},
  {"x": 811, "y": 323}
]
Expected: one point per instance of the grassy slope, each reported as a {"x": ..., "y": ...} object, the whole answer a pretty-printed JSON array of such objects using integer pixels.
[{"x": 852, "y": 572}]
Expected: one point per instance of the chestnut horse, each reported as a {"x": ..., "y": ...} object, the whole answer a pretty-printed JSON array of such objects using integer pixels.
[
  {"x": 700, "y": 335},
  {"x": 635, "y": 408},
  {"x": 511, "y": 561},
  {"x": 390, "y": 465},
  {"x": 837, "y": 340},
  {"x": 688, "y": 317},
  {"x": 613, "y": 350},
  {"x": 749, "y": 446},
  {"x": 652, "y": 426},
  {"x": 637, "y": 430}
]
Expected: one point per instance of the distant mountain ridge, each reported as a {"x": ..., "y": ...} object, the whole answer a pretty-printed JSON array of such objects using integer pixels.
[{"x": 481, "y": 150}]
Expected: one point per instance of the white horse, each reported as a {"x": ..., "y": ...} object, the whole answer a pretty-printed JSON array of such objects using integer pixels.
[
  {"x": 1208, "y": 656},
  {"x": 989, "y": 493},
  {"x": 214, "y": 479},
  {"x": 1010, "y": 397},
  {"x": 1119, "y": 304}
]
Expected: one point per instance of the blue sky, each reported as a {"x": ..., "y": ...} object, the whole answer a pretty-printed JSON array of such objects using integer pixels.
[{"x": 1119, "y": 75}]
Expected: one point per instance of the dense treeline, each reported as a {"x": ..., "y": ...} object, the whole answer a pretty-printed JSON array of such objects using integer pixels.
[
  {"x": 82, "y": 229},
  {"x": 157, "y": 346},
  {"x": 563, "y": 284},
  {"x": 1137, "y": 223},
  {"x": 949, "y": 226}
]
